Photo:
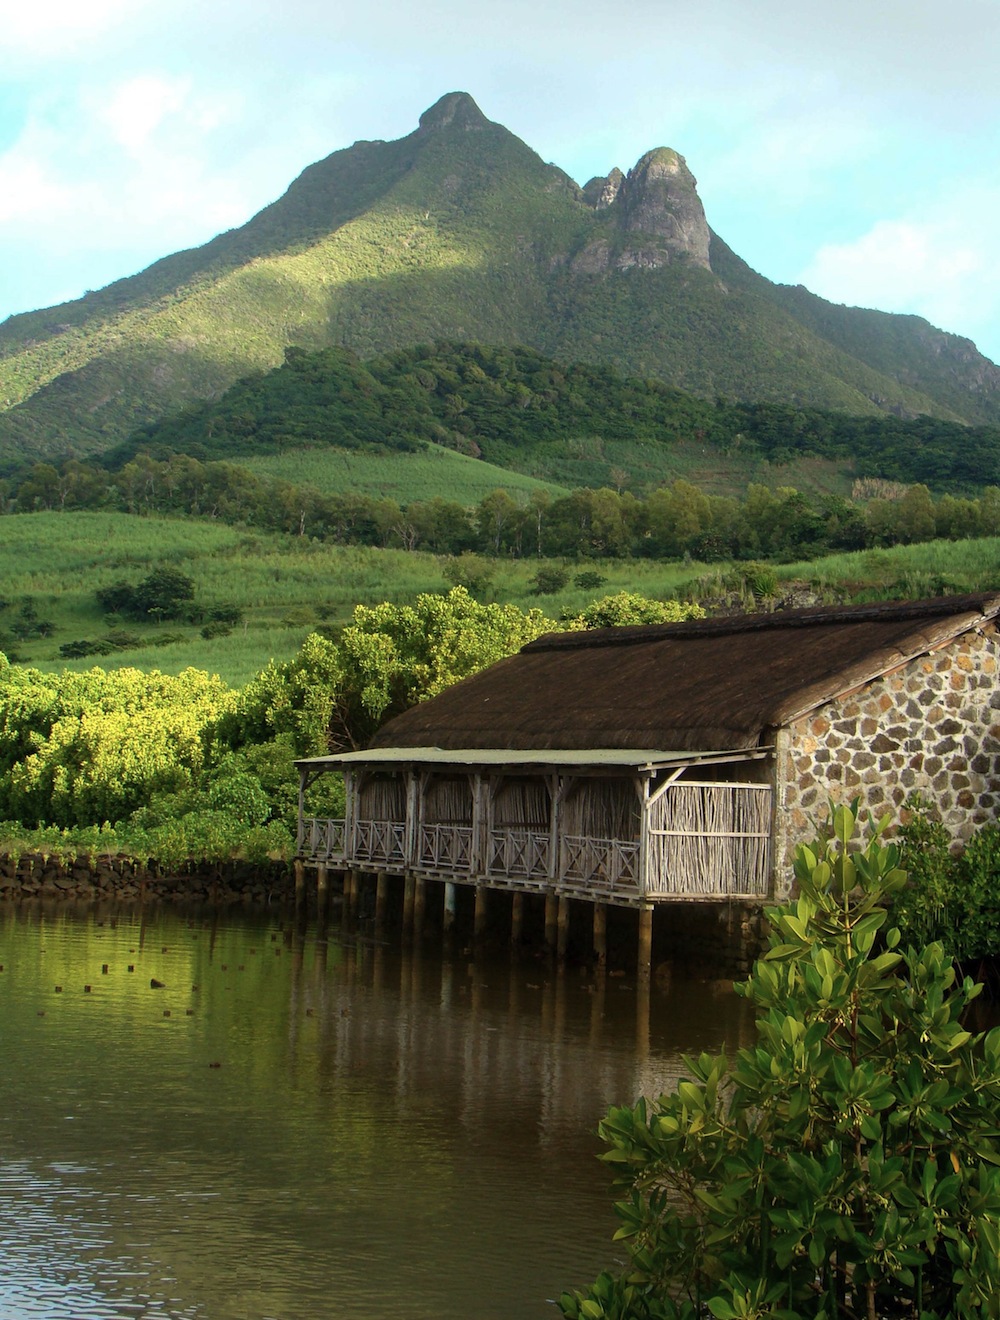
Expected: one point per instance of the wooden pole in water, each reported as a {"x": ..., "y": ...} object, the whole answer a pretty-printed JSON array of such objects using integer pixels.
[
  {"x": 321, "y": 889},
  {"x": 448, "y": 919},
  {"x": 516, "y": 918},
  {"x": 551, "y": 908},
  {"x": 419, "y": 902},
  {"x": 408, "y": 897},
  {"x": 350, "y": 895},
  {"x": 645, "y": 942},
  {"x": 601, "y": 935},
  {"x": 563, "y": 920},
  {"x": 299, "y": 871},
  {"x": 381, "y": 898},
  {"x": 479, "y": 923}
]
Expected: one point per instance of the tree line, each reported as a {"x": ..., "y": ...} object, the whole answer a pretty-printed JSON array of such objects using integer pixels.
[{"x": 674, "y": 521}]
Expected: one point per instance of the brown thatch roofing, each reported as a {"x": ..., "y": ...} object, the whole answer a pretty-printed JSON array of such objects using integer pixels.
[{"x": 704, "y": 685}]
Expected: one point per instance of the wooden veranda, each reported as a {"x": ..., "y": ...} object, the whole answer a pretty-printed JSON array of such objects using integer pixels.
[{"x": 630, "y": 828}]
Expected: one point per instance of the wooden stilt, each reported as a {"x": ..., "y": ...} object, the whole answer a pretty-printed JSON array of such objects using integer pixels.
[
  {"x": 551, "y": 910},
  {"x": 350, "y": 895},
  {"x": 516, "y": 918},
  {"x": 419, "y": 903},
  {"x": 645, "y": 943},
  {"x": 381, "y": 899},
  {"x": 601, "y": 935},
  {"x": 479, "y": 924},
  {"x": 299, "y": 872},
  {"x": 448, "y": 921},
  {"x": 409, "y": 888},
  {"x": 563, "y": 921}
]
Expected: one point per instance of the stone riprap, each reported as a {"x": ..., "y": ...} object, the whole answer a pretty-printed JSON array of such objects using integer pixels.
[{"x": 33, "y": 875}]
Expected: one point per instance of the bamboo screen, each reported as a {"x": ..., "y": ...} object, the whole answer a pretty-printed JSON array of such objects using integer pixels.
[
  {"x": 382, "y": 798},
  {"x": 710, "y": 839},
  {"x": 521, "y": 804},
  {"x": 602, "y": 809},
  {"x": 448, "y": 801}
]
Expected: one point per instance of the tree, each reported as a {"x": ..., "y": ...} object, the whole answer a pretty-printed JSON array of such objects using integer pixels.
[
  {"x": 625, "y": 608},
  {"x": 393, "y": 656},
  {"x": 846, "y": 1164}
]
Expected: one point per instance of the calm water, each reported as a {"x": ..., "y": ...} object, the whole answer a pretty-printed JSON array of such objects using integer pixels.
[{"x": 293, "y": 1127}]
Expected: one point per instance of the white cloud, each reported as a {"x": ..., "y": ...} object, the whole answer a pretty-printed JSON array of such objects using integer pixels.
[
  {"x": 50, "y": 28},
  {"x": 939, "y": 264}
]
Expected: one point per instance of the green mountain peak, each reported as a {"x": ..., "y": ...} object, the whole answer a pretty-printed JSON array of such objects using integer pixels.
[
  {"x": 460, "y": 231},
  {"x": 454, "y": 108}
]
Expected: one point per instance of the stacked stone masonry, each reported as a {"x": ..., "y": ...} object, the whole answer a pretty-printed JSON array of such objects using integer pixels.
[{"x": 931, "y": 727}]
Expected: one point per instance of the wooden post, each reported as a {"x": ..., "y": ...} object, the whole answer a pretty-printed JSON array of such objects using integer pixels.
[
  {"x": 419, "y": 901},
  {"x": 601, "y": 935},
  {"x": 479, "y": 924},
  {"x": 409, "y": 889},
  {"x": 448, "y": 921},
  {"x": 551, "y": 906},
  {"x": 516, "y": 918},
  {"x": 299, "y": 871},
  {"x": 350, "y": 895},
  {"x": 321, "y": 890},
  {"x": 563, "y": 920},
  {"x": 381, "y": 898},
  {"x": 645, "y": 942}
]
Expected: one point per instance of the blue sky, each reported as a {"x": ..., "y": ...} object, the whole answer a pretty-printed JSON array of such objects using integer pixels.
[{"x": 853, "y": 147}]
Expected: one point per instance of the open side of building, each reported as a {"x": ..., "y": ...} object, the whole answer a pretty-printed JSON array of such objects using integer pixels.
[{"x": 642, "y": 766}]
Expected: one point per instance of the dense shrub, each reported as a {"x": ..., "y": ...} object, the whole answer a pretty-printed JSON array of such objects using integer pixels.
[{"x": 845, "y": 1164}]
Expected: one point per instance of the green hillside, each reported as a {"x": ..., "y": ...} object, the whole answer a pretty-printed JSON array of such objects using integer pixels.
[
  {"x": 461, "y": 231},
  {"x": 572, "y": 424}
]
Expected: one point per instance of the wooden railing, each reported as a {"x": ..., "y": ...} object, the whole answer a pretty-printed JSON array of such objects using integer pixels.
[
  {"x": 321, "y": 838},
  {"x": 379, "y": 841},
  {"x": 445, "y": 848},
  {"x": 599, "y": 866},
  {"x": 520, "y": 854}
]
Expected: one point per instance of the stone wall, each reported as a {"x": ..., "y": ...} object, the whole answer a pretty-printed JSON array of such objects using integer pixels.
[
  {"x": 32, "y": 875},
  {"x": 931, "y": 727}
]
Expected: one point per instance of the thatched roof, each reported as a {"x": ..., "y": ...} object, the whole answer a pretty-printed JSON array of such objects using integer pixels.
[{"x": 704, "y": 685}]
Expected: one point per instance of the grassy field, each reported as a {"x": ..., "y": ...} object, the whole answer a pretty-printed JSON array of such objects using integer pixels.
[
  {"x": 398, "y": 476},
  {"x": 286, "y": 586},
  {"x": 638, "y": 466}
]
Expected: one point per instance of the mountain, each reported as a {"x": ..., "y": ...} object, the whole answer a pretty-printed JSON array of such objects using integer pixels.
[{"x": 460, "y": 231}]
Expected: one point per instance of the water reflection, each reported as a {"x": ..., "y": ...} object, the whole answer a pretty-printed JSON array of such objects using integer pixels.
[{"x": 294, "y": 1125}]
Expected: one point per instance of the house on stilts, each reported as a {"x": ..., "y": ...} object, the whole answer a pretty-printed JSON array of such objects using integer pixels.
[{"x": 675, "y": 763}]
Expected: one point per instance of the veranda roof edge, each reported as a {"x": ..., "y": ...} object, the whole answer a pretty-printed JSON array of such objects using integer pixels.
[{"x": 596, "y": 758}]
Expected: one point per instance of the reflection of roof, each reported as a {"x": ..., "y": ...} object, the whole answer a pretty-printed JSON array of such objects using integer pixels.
[
  {"x": 607, "y": 758},
  {"x": 700, "y": 686}
]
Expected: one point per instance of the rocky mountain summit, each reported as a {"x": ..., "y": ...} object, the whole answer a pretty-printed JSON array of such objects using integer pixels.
[{"x": 460, "y": 231}]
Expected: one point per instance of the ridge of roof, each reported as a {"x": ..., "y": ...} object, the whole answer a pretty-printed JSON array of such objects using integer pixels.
[{"x": 982, "y": 604}]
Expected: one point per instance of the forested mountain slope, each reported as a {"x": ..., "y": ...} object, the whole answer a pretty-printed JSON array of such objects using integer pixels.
[{"x": 461, "y": 231}]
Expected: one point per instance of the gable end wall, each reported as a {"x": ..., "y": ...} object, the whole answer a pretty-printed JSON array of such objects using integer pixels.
[{"x": 932, "y": 727}]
